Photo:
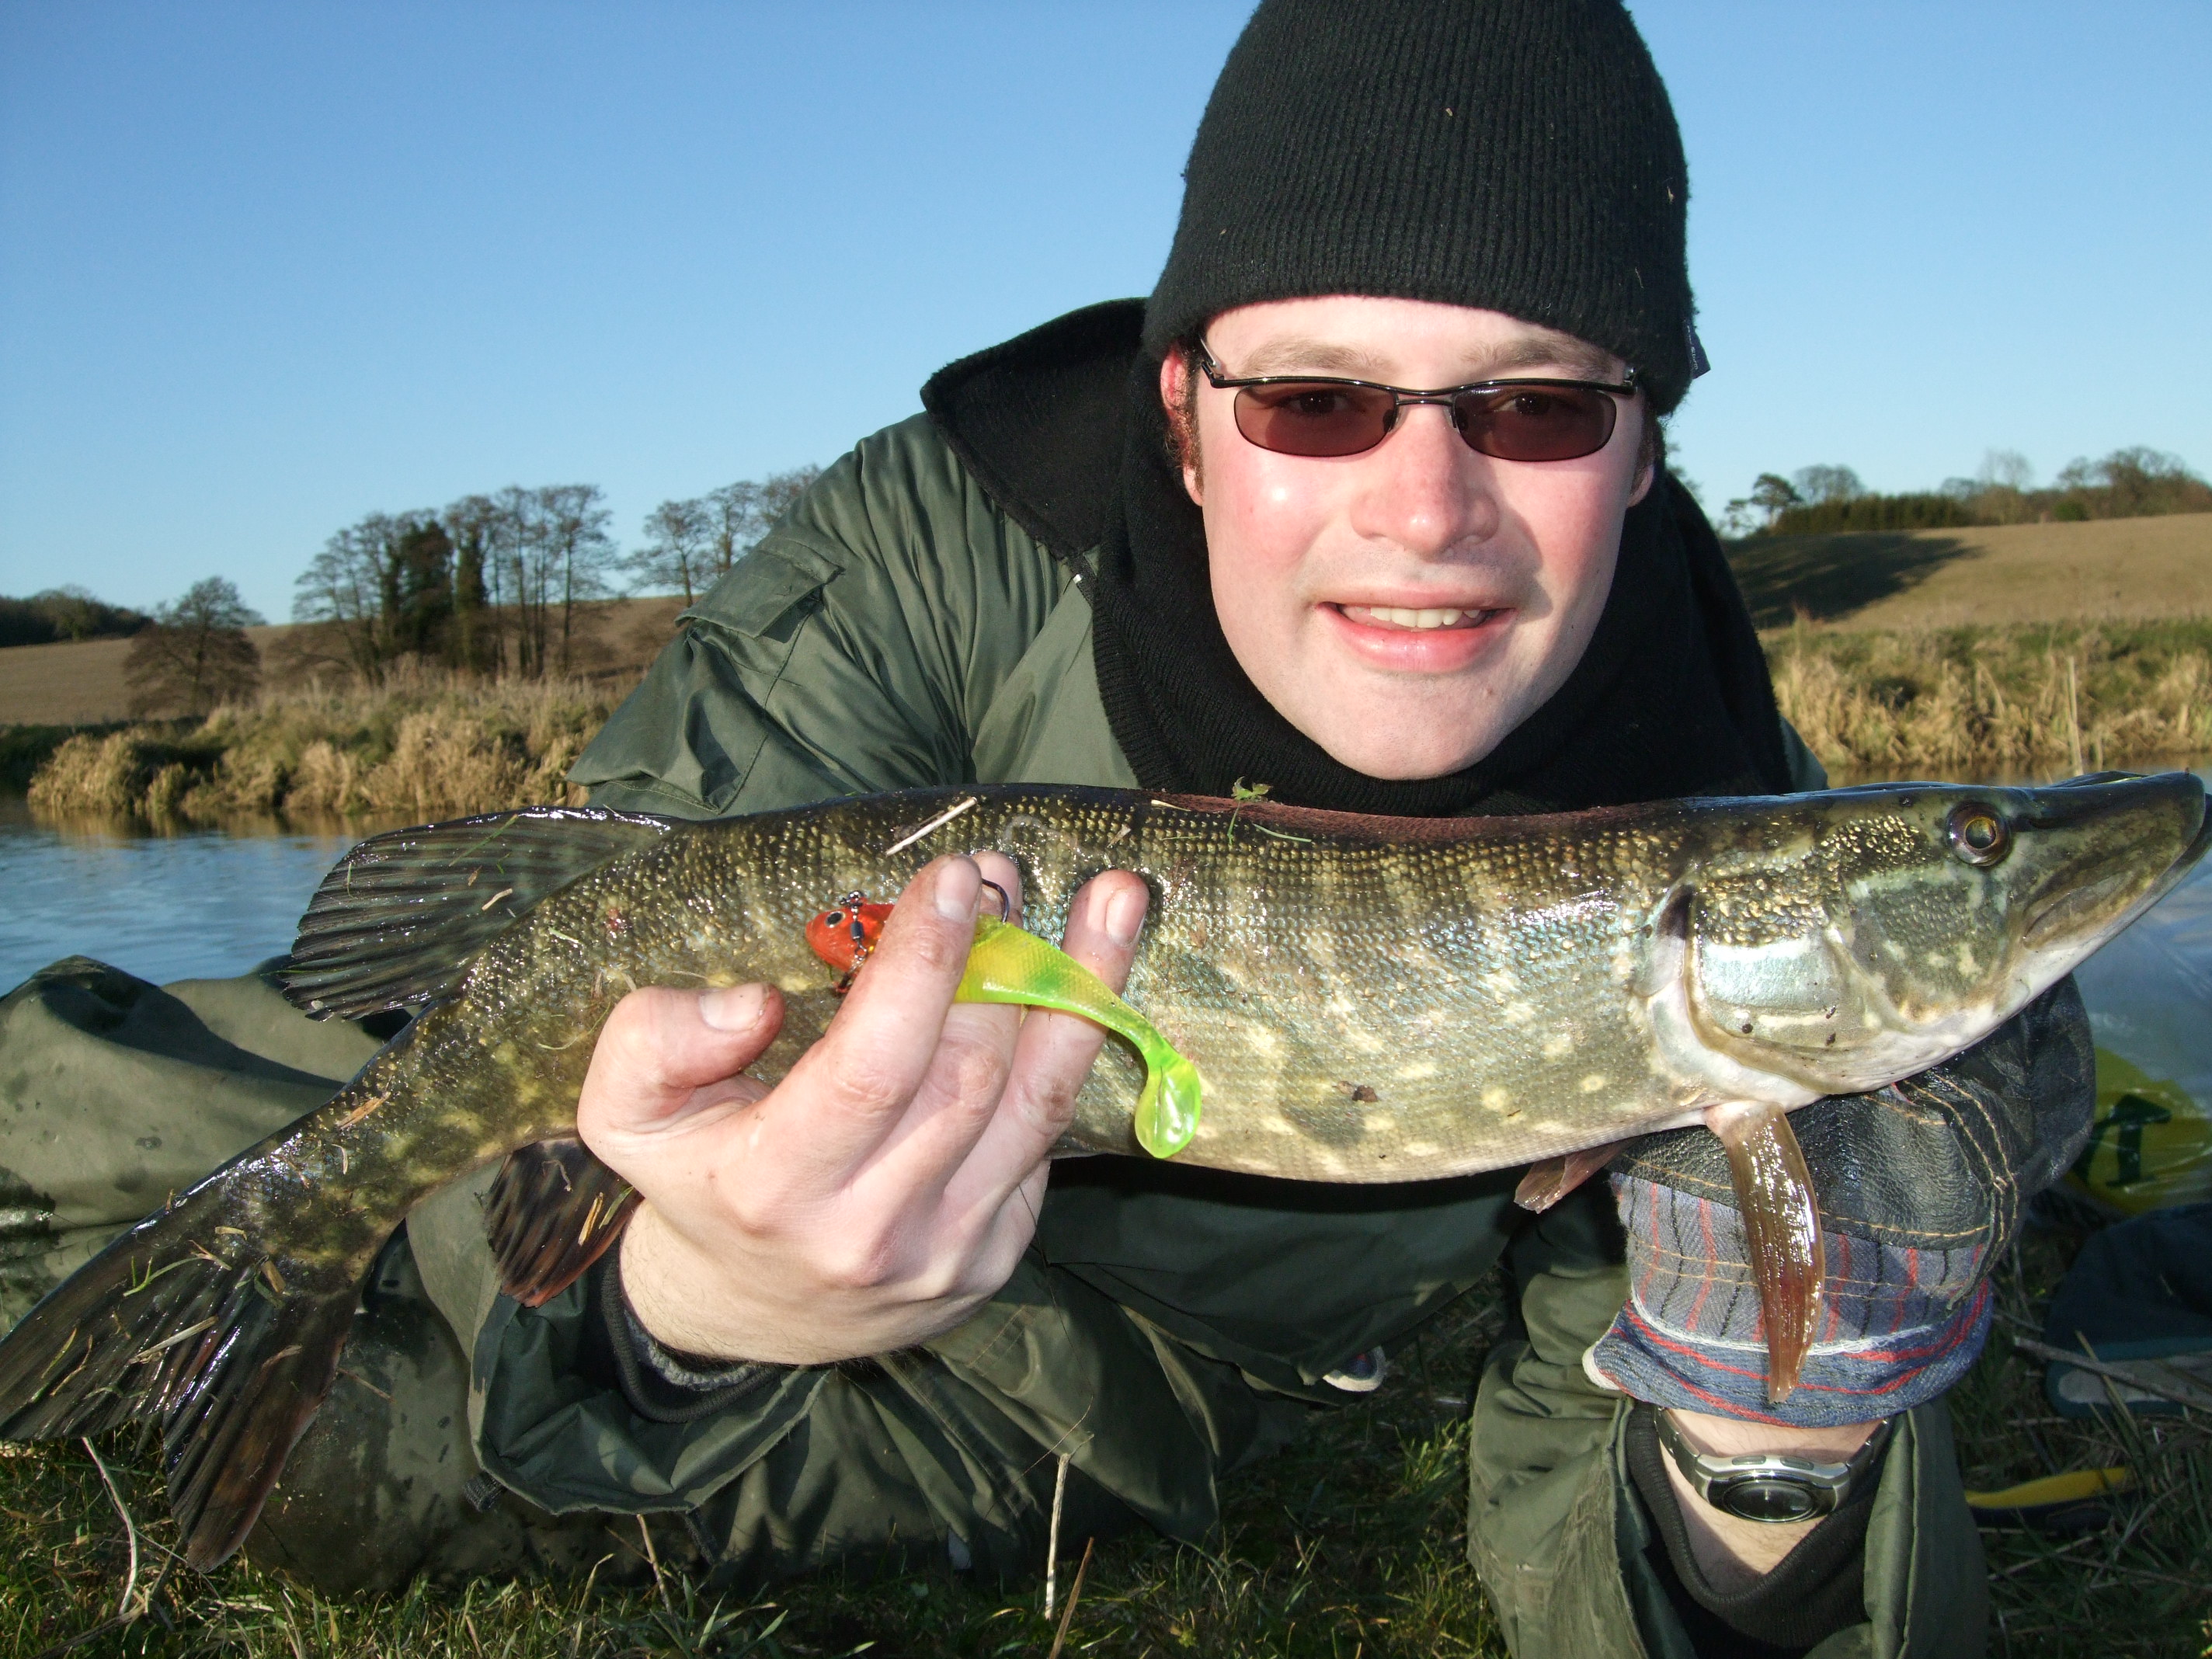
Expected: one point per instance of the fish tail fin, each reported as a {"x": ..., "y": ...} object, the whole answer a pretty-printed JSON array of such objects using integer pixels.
[
  {"x": 230, "y": 1349},
  {"x": 1782, "y": 1229}
]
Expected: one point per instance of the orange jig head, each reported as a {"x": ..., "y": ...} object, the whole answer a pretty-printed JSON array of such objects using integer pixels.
[{"x": 844, "y": 937}]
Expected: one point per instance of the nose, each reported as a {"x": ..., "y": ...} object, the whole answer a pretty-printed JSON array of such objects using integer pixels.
[{"x": 1426, "y": 489}]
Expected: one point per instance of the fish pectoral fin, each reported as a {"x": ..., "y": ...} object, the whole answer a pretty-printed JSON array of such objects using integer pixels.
[
  {"x": 233, "y": 1351},
  {"x": 552, "y": 1212},
  {"x": 398, "y": 919},
  {"x": 1548, "y": 1182},
  {"x": 1781, "y": 1232}
]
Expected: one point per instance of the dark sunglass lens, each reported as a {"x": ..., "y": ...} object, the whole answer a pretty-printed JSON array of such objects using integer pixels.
[
  {"x": 1537, "y": 423},
  {"x": 1313, "y": 420}
]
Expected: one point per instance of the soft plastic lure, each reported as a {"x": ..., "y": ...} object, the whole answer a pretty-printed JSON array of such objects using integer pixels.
[{"x": 1008, "y": 963}]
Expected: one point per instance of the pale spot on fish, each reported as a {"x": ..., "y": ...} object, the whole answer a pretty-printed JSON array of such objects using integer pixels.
[
  {"x": 1520, "y": 1013},
  {"x": 1558, "y": 1045},
  {"x": 1497, "y": 1099},
  {"x": 1417, "y": 1071},
  {"x": 1594, "y": 1081}
]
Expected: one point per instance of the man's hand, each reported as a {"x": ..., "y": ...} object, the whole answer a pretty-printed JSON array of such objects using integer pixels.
[
  {"x": 1920, "y": 1186},
  {"x": 891, "y": 1181}
]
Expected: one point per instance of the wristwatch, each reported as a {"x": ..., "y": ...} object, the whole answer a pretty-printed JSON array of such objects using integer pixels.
[{"x": 1769, "y": 1486}]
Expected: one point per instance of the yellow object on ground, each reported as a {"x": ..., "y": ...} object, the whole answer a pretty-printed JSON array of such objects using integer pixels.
[
  {"x": 2152, "y": 1144},
  {"x": 2068, "y": 1503}
]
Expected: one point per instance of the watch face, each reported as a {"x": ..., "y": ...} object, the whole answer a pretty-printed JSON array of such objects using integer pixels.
[{"x": 1772, "y": 1498}]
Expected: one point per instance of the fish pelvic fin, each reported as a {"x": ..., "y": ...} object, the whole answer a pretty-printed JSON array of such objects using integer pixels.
[
  {"x": 1547, "y": 1183},
  {"x": 398, "y": 920},
  {"x": 1782, "y": 1230},
  {"x": 552, "y": 1212},
  {"x": 230, "y": 1349}
]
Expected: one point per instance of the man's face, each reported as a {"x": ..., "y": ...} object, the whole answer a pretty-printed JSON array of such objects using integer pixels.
[{"x": 1407, "y": 607}]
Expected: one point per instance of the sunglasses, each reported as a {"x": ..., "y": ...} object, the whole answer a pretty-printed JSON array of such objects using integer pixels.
[{"x": 1318, "y": 415}]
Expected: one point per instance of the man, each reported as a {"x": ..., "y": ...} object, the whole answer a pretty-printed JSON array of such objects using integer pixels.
[{"x": 1236, "y": 533}]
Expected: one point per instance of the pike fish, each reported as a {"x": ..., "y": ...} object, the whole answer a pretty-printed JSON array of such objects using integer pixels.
[{"x": 1362, "y": 999}]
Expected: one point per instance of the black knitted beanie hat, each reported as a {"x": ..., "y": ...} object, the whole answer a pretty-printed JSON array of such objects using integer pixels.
[{"x": 1518, "y": 155}]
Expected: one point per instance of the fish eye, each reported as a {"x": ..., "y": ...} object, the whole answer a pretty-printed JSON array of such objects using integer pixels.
[
  {"x": 1977, "y": 834},
  {"x": 834, "y": 918}
]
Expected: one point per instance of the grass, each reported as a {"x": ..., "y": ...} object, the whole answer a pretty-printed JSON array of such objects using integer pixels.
[
  {"x": 423, "y": 744},
  {"x": 1981, "y": 701},
  {"x": 1349, "y": 1545}
]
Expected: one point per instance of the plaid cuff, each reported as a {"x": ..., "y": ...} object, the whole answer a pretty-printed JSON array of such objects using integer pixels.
[{"x": 1899, "y": 1325}]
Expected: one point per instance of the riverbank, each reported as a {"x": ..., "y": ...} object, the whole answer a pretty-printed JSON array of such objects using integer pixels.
[
  {"x": 2034, "y": 699},
  {"x": 2037, "y": 699},
  {"x": 422, "y": 745}
]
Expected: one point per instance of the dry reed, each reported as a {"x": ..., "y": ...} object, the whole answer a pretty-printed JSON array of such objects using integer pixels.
[
  {"x": 422, "y": 745},
  {"x": 1997, "y": 701}
]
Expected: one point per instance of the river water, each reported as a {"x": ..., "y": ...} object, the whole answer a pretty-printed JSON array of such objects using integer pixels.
[{"x": 190, "y": 905}]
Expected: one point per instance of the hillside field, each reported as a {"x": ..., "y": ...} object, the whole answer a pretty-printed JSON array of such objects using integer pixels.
[
  {"x": 2106, "y": 570},
  {"x": 82, "y": 684}
]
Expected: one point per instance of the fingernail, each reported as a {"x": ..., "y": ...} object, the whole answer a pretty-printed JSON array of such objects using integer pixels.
[
  {"x": 958, "y": 884},
  {"x": 1125, "y": 914},
  {"x": 736, "y": 1009}
]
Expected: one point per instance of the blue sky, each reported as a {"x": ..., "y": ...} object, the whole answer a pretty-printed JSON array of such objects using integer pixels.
[{"x": 265, "y": 268}]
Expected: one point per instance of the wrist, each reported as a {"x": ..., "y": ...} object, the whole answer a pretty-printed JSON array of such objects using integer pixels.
[
  {"x": 1736, "y": 1437},
  {"x": 679, "y": 1299}
]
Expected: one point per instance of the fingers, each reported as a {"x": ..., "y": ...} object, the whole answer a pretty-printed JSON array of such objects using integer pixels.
[
  {"x": 1056, "y": 1051},
  {"x": 854, "y": 1088},
  {"x": 960, "y": 1085},
  {"x": 660, "y": 1048}
]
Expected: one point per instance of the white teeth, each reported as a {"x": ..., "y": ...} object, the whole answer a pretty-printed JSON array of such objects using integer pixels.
[{"x": 1403, "y": 617}]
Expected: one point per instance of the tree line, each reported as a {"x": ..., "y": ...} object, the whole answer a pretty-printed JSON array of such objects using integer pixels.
[
  {"x": 490, "y": 584},
  {"x": 59, "y": 614},
  {"x": 2128, "y": 483}
]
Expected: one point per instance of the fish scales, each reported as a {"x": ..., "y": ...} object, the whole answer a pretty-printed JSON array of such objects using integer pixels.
[{"x": 1301, "y": 977}]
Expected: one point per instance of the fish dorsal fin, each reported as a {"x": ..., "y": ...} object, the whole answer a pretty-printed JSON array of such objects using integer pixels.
[
  {"x": 552, "y": 1212},
  {"x": 397, "y": 920}
]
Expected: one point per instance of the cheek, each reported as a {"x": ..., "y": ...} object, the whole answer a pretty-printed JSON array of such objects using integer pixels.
[
  {"x": 1571, "y": 516},
  {"x": 1263, "y": 513}
]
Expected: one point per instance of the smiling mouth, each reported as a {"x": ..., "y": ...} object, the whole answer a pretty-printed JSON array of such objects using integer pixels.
[{"x": 1424, "y": 619}]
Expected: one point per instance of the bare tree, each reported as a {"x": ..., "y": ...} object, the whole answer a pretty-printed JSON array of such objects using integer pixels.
[
  {"x": 677, "y": 549},
  {"x": 739, "y": 516},
  {"x": 574, "y": 550},
  {"x": 343, "y": 589},
  {"x": 196, "y": 653}
]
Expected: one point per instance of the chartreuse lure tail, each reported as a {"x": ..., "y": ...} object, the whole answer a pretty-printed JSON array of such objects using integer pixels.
[{"x": 1012, "y": 964}]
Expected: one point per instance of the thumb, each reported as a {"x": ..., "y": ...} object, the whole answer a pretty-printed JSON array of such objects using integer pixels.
[{"x": 665, "y": 1056}]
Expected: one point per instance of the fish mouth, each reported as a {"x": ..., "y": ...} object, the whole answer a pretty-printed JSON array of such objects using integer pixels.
[{"x": 2118, "y": 817}]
